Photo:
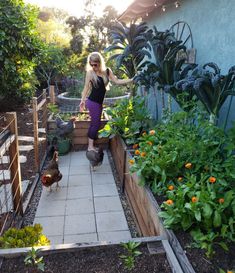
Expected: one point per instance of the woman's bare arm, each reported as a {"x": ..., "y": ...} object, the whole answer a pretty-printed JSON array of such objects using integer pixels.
[
  {"x": 87, "y": 86},
  {"x": 114, "y": 79}
]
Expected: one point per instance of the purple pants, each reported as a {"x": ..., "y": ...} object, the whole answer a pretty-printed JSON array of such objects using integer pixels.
[{"x": 95, "y": 111}]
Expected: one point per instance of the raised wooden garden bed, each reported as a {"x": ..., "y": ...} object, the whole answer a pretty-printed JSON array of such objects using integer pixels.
[
  {"x": 93, "y": 257},
  {"x": 144, "y": 206},
  {"x": 79, "y": 135}
]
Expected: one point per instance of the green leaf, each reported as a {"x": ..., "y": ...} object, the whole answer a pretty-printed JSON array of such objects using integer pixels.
[{"x": 217, "y": 219}]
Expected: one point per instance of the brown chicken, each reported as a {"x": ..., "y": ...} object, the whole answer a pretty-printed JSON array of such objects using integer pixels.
[{"x": 52, "y": 174}]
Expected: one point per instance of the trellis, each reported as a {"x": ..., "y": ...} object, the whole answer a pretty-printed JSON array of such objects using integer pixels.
[{"x": 11, "y": 202}]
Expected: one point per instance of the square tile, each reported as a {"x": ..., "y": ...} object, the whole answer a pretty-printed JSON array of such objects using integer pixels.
[
  {"x": 56, "y": 194},
  {"x": 55, "y": 208},
  {"x": 76, "y": 224},
  {"x": 81, "y": 169},
  {"x": 114, "y": 236},
  {"x": 79, "y": 180},
  {"x": 105, "y": 190},
  {"x": 79, "y": 206},
  {"x": 105, "y": 204},
  {"x": 64, "y": 160},
  {"x": 111, "y": 221},
  {"x": 79, "y": 192},
  {"x": 104, "y": 168},
  {"x": 51, "y": 225},
  {"x": 56, "y": 240},
  {"x": 64, "y": 169},
  {"x": 80, "y": 238},
  {"x": 100, "y": 178}
]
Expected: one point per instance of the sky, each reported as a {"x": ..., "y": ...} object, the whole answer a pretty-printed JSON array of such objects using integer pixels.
[{"x": 75, "y": 7}]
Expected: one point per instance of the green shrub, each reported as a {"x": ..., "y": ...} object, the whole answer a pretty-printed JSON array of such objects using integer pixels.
[{"x": 24, "y": 237}]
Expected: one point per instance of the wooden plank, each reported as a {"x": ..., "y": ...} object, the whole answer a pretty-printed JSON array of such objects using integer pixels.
[
  {"x": 52, "y": 94},
  {"x": 41, "y": 103},
  {"x": 35, "y": 133},
  {"x": 173, "y": 262},
  {"x": 5, "y": 146},
  {"x": 15, "y": 164}
]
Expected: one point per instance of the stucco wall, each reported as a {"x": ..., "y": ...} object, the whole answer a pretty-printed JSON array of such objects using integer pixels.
[{"x": 212, "y": 23}]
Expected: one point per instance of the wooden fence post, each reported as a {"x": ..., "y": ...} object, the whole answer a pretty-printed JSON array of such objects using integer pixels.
[
  {"x": 52, "y": 94},
  {"x": 16, "y": 187},
  {"x": 35, "y": 132}
]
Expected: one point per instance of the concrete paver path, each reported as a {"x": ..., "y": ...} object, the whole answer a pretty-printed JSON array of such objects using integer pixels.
[{"x": 86, "y": 207}]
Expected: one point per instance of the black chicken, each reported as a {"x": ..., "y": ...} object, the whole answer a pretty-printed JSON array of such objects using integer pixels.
[
  {"x": 64, "y": 128},
  {"x": 95, "y": 157},
  {"x": 52, "y": 146}
]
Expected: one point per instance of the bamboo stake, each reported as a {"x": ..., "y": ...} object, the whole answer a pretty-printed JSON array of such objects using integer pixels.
[
  {"x": 15, "y": 166},
  {"x": 35, "y": 131}
]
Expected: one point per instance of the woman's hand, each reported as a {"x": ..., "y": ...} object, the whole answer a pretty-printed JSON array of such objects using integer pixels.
[{"x": 82, "y": 106}]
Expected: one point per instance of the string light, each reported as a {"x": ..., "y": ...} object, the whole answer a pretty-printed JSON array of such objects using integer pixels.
[
  {"x": 147, "y": 14},
  {"x": 177, "y": 4},
  {"x": 163, "y": 8}
]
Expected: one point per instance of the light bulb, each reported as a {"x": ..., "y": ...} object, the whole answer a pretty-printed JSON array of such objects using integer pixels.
[
  {"x": 163, "y": 8},
  {"x": 147, "y": 14},
  {"x": 177, "y": 4},
  {"x": 155, "y": 4}
]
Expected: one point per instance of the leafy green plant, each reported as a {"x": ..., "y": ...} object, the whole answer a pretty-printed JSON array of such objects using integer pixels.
[
  {"x": 24, "y": 237},
  {"x": 127, "y": 119},
  {"x": 210, "y": 86},
  {"x": 53, "y": 108},
  {"x": 132, "y": 253},
  {"x": 32, "y": 259},
  {"x": 129, "y": 46}
]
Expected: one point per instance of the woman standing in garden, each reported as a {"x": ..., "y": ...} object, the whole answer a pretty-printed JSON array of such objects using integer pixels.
[{"x": 96, "y": 83}]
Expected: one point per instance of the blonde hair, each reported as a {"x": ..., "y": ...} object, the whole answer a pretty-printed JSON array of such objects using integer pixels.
[{"x": 97, "y": 58}]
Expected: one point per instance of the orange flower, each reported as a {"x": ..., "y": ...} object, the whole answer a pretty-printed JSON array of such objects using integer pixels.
[
  {"x": 135, "y": 146},
  {"x": 152, "y": 132},
  {"x": 212, "y": 179},
  {"x": 188, "y": 165},
  {"x": 230, "y": 271},
  {"x": 150, "y": 143},
  {"x": 131, "y": 161},
  {"x": 171, "y": 188},
  {"x": 180, "y": 178},
  {"x": 169, "y": 202},
  {"x": 144, "y": 134},
  {"x": 137, "y": 152},
  {"x": 194, "y": 199},
  {"x": 221, "y": 200},
  {"x": 143, "y": 154}
]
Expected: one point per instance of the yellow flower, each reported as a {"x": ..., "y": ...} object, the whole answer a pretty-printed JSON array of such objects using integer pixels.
[
  {"x": 194, "y": 199},
  {"x": 143, "y": 154},
  {"x": 135, "y": 146},
  {"x": 171, "y": 188},
  {"x": 137, "y": 152},
  {"x": 188, "y": 165},
  {"x": 221, "y": 200},
  {"x": 169, "y": 202},
  {"x": 131, "y": 161},
  {"x": 150, "y": 143},
  {"x": 152, "y": 132},
  {"x": 212, "y": 179},
  {"x": 180, "y": 178},
  {"x": 144, "y": 134}
]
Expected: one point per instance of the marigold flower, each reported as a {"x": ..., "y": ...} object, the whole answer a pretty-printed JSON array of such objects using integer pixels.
[
  {"x": 144, "y": 134},
  {"x": 131, "y": 161},
  {"x": 212, "y": 179},
  {"x": 143, "y": 154},
  {"x": 188, "y": 165},
  {"x": 150, "y": 143},
  {"x": 171, "y": 188},
  {"x": 221, "y": 200},
  {"x": 152, "y": 132},
  {"x": 135, "y": 146},
  {"x": 169, "y": 202},
  {"x": 194, "y": 199},
  {"x": 137, "y": 152},
  {"x": 180, "y": 178},
  {"x": 230, "y": 271}
]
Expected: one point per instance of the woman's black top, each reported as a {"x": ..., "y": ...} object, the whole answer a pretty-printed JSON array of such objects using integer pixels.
[{"x": 98, "y": 92}]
